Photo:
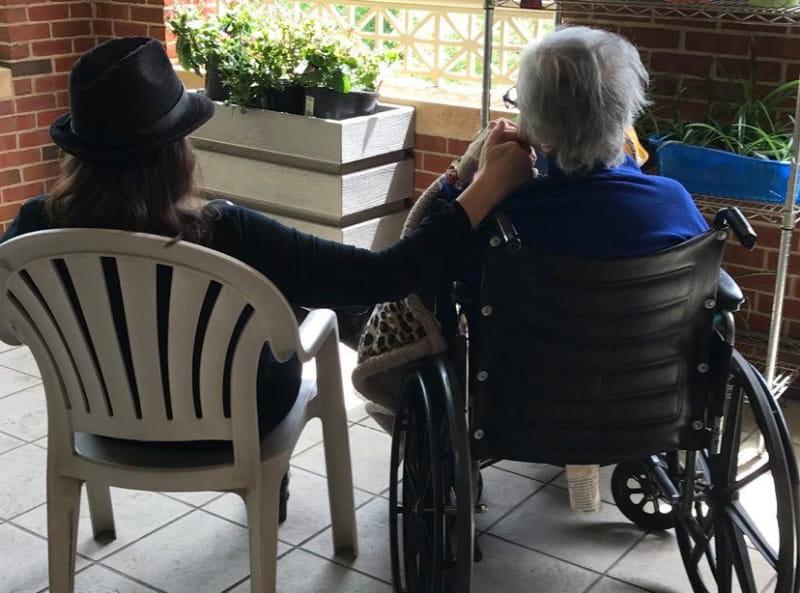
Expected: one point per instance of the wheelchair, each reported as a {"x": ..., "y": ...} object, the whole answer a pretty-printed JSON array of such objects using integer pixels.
[{"x": 565, "y": 360}]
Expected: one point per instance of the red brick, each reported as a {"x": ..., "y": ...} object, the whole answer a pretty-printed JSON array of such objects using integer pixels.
[
  {"x": 23, "y": 87},
  {"x": 45, "y": 118},
  {"x": 52, "y": 47},
  {"x": 29, "y": 32},
  {"x": 772, "y": 262},
  {"x": 418, "y": 161},
  {"x": 740, "y": 69},
  {"x": 13, "y": 15},
  {"x": 40, "y": 171},
  {"x": 35, "y": 138},
  {"x": 35, "y": 103},
  {"x": 8, "y": 142},
  {"x": 82, "y": 44},
  {"x": 436, "y": 163},
  {"x": 422, "y": 180},
  {"x": 9, "y": 211},
  {"x": 652, "y": 37},
  {"x": 147, "y": 14},
  {"x": 46, "y": 84},
  {"x": 457, "y": 147},
  {"x": 50, "y": 12},
  {"x": 6, "y": 107},
  {"x": 64, "y": 64},
  {"x": 103, "y": 28},
  {"x": 680, "y": 63},
  {"x": 718, "y": 43},
  {"x": 18, "y": 157},
  {"x": 9, "y": 177},
  {"x": 81, "y": 10},
  {"x": 63, "y": 99},
  {"x": 106, "y": 10},
  {"x": 130, "y": 29},
  {"x": 16, "y": 123},
  {"x": 786, "y": 47},
  {"x": 431, "y": 143},
  {"x": 740, "y": 256},
  {"x": 16, "y": 51},
  {"x": 17, "y": 194},
  {"x": 72, "y": 29},
  {"x": 157, "y": 32}
]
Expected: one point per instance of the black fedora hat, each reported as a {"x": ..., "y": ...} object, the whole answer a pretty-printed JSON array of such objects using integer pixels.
[{"x": 125, "y": 99}]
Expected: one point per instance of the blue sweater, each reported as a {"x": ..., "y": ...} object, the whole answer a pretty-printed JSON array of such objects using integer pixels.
[{"x": 611, "y": 212}]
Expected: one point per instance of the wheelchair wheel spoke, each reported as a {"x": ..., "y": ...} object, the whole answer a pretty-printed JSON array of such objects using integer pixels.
[
  {"x": 751, "y": 477},
  {"x": 744, "y": 525},
  {"x": 741, "y": 556}
]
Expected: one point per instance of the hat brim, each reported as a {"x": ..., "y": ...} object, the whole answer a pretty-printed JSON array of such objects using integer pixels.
[{"x": 198, "y": 111}]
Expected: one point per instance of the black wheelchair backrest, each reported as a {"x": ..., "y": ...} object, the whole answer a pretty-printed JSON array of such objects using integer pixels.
[{"x": 592, "y": 360}]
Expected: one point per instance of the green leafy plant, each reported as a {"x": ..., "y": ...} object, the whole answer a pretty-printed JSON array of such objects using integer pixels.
[
  {"x": 752, "y": 127},
  {"x": 196, "y": 37}
]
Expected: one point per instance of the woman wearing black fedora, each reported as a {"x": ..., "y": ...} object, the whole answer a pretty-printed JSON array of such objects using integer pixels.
[{"x": 128, "y": 165}]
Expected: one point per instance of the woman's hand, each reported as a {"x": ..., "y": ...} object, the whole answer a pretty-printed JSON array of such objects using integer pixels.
[{"x": 506, "y": 163}]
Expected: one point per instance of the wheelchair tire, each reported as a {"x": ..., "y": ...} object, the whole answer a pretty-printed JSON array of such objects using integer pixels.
[
  {"x": 431, "y": 524},
  {"x": 723, "y": 499},
  {"x": 638, "y": 497}
]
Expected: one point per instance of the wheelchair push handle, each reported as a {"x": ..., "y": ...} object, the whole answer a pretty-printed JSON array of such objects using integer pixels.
[{"x": 739, "y": 224}]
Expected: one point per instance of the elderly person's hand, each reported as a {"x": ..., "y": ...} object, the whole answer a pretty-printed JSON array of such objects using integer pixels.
[{"x": 506, "y": 163}]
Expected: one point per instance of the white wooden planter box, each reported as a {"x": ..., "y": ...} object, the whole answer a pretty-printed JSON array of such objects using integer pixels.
[{"x": 343, "y": 180}]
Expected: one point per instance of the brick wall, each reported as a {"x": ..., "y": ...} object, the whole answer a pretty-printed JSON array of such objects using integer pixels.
[{"x": 39, "y": 42}]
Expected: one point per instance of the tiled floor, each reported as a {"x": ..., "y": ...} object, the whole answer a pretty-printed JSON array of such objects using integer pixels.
[{"x": 196, "y": 543}]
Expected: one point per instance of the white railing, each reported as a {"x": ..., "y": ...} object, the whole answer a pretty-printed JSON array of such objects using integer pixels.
[{"x": 442, "y": 42}]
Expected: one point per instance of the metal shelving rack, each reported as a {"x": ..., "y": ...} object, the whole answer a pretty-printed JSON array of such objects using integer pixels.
[{"x": 786, "y": 215}]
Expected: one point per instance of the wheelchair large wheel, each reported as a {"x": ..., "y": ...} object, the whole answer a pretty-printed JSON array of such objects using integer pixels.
[
  {"x": 431, "y": 523},
  {"x": 737, "y": 522}
]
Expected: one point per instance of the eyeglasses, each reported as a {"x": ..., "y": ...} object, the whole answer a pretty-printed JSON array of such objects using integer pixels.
[{"x": 510, "y": 98}]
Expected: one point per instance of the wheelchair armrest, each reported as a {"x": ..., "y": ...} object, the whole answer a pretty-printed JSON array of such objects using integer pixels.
[{"x": 729, "y": 296}]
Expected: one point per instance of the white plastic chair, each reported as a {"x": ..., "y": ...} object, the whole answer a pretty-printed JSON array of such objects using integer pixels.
[{"x": 156, "y": 374}]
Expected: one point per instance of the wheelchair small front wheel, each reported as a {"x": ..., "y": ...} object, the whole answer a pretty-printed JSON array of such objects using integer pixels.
[{"x": 638, "y": 496}]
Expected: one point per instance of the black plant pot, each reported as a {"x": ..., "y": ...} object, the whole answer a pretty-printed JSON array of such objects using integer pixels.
[
  {"x": 288, "y": 100},
  {"x": 330, "y": 104},
  {"x": 215, "y": 90}
]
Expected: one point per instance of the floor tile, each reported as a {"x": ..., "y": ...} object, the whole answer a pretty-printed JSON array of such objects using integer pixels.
[
  {"x": 373, "y": 541},
  {"x": 537, "y": 471},
  {"x": 607, "y": 585},
  {"x": 24, "y": 414},
  {"x": 214, "y": 557},
  {"x": 605, "y": 482},
  {"x": 370, "y": 457},
  {"x": 309, "y": 511},
  {"x": 136, "y": 513},
  {"x": 196, "y": 499},
  {"x": 98, "y": 579},
  {"x": 8, "y": 442},
  {"x": 301, "y": 572},
  {"x": 655, "y": 564},
  {"x": 513, "y": 569},
  {"x": 12, "y": 381},
  {"x": 546, "y": 523},
  {"x": 23, "y": 483},
  {"x": 23, "y": 561},
  {"x": 20, "y": 359},
  {"x": 311, "y": 435},
  {"x": 502, "y": 491}
]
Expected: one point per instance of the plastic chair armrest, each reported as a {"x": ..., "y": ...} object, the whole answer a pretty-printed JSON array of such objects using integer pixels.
[{"x": 317, "y": 327}]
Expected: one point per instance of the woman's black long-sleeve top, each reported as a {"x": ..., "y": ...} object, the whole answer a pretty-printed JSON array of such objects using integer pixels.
[{"x": 314, "y": 272}]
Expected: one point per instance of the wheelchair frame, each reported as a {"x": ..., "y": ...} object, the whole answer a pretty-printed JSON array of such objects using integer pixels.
[{"x": 433, "y": 487}]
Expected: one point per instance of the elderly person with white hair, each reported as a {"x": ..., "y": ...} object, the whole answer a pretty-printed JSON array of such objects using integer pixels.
[{"x": 579, "y": 91}]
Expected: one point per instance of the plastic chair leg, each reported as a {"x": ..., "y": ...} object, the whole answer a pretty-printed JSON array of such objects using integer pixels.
[
  {"x": 63, "y": 511},
  {"x": 101, "y": 511},
  {"x": 337, "y": 450},
  {"x": 262, "y": 505}
]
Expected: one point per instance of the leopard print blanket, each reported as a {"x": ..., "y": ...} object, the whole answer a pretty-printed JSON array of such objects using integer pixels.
[{"x": 396, "y": 335}]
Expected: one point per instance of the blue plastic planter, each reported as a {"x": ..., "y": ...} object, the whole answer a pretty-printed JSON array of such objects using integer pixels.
[{"x": 718, "y": 173}]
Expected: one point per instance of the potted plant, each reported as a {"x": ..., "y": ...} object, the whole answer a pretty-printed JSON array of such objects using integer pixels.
[
  {"x": 739, "y": 151},
  {"x": 254, "y": 56}
]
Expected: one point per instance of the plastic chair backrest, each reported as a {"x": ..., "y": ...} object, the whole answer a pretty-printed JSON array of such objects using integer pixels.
[
  {"x": 581, "y": 359},
  {"x": 141, "y": 337}
]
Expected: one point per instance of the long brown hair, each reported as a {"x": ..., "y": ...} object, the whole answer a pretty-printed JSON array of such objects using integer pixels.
[{"x": 148, "y": 193}]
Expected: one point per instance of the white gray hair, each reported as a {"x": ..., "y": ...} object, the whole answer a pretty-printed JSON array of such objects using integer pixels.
[{"x": 579, "y": 90}]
